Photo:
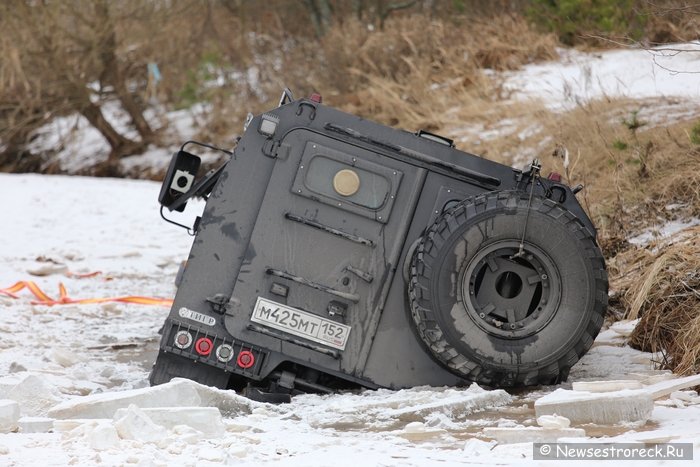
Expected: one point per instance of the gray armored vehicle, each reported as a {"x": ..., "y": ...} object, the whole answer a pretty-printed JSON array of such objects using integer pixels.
[{"x": 334, "y": 252}]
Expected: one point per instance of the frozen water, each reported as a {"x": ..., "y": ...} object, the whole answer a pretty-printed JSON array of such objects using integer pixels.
[
  {"x": 179, "y": 392},
  {"x": 553, "y": 421},
  {"x": 206, "y": 420},
  {"x": 606, "y": 386},
  {"x": 35, "y": 424},
  {"x": 664, "y": 388},
  {"x": 103, "y": 436},
  {"x": 228, "y": 402},
  {"x": 175, "y": 393},
  {"x": 136, "y": 425},
  {"x": 30, "y": 391},
  {"x": 532, "y": 434},
  {"x": 607, "y": 408},
  {"x": 9, "y": 415}
]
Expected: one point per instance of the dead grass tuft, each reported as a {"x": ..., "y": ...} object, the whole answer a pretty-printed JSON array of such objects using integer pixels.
[
  {"x": 508, "y": 42},
  {"x": 418, "y": 72},
  {"x": 663, "y": 290}
]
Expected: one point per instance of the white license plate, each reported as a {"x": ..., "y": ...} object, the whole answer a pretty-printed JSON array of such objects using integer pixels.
[{"x": 300, "y": 323}]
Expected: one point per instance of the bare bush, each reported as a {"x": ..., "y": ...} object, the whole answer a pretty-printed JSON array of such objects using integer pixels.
[{"x": 69, "y": 57}]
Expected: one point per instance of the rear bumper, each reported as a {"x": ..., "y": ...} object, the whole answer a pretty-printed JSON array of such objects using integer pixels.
[{"x": 217, "y": 350}]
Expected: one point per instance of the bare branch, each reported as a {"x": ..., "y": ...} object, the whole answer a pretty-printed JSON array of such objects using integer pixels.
[{"x": 658, "y": 51}]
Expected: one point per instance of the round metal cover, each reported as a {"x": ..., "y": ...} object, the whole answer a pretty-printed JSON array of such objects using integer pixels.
[{"x": 346, "y": 182}]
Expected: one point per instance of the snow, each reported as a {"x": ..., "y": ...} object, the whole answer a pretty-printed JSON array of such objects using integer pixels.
[
  {"x": 78, "y": 146},
  {"x": 9, "y": 415},
  {"x": 532, "y": 434},
  {"x": 580, "y": 77},
  {"x": 663, "y": 232},
  {"x": 660, "y": 85}
]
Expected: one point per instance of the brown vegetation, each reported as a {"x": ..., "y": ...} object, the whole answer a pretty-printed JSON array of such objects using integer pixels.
[{"x": 662, "y": 288}]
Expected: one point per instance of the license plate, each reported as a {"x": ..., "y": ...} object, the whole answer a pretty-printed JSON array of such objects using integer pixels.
[{"x": 300, "y": 323}]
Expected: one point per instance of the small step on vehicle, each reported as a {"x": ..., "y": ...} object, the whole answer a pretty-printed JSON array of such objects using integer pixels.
[{"x": 334, "y": 252}]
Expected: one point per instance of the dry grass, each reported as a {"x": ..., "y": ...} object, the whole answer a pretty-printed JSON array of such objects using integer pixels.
[
  {"x": 663, "y": 289},
  {"x": 419, "y": 72},
  {"x": 629, "y": 175}
]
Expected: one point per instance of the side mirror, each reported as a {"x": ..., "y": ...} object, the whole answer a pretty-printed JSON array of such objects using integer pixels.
[{"x": 179, "y": 179}]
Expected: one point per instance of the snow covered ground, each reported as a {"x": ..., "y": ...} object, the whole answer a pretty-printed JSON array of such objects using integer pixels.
[
  {"x": 660, "y": 86},
  {"x": 580, "y": 77},
  {"x": 56, "y": 225}
]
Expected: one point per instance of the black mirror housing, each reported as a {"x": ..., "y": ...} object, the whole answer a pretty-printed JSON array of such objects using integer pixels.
[{"x": 179, "y": 179}]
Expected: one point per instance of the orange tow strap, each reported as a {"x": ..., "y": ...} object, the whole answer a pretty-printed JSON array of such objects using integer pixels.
[{"x": 44, "y": 299}]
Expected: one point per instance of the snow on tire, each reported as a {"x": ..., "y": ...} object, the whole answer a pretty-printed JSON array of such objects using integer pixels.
[{"x": 497, "y": 315}]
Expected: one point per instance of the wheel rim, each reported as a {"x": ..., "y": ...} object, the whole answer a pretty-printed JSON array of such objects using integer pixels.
[{"x": 511, "y": 296}]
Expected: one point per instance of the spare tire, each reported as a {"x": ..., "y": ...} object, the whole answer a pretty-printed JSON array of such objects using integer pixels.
[{"x": 503, "y": 317}]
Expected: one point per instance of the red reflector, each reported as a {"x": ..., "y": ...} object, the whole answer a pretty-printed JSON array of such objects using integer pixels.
[
  {"x": 316, "y": 97},
  {"x": 203, "y": 346},
  {"x": 245, "y": 359},
  {"x": 555, "y": 177}
]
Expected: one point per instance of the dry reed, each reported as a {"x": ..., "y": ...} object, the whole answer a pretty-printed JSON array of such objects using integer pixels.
[{"x": 663, "y": 290}]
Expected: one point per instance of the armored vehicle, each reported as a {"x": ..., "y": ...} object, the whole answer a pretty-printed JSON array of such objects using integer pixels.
[{"x": 334, "y": 252}]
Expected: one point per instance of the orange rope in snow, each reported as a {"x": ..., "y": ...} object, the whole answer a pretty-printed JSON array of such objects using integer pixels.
[{"x": 64, "y": 299}]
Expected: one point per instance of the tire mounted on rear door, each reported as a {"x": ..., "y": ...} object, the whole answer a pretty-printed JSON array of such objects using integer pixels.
[{"x": 498, "y": 315}]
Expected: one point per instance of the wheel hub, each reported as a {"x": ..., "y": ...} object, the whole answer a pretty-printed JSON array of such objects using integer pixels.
[{"x": 511, "y": 295}]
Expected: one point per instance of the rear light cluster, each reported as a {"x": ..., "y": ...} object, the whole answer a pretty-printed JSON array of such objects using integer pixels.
[{"x": 204, "y": 347}]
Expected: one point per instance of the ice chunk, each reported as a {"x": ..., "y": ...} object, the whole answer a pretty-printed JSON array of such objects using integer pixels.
[
  {"x": 103, "y": 436},
  {"x": 532, "y": 434},
  {"x": 206, "y": 420},
  {"x": 179, "y": 392},
  {"x": 65, "y": 426},
  {"x": 624, "y": 327},
  {"x": 685, "y": 396},
  {"x": 228, "y": 402},
  {"x": 64, "y": 357},
  {"x": 456, "y": 402},
  {"x": 9, "y": 415},
  {"x": 47, "y": 269},
  {"x": 477, "y": 447},
  {"x": 656, "y": 377},
  {"x": 602, "y": 408},
  {"x": 35, "y": 424},
  {"x": 136, "y": 425},
  {"x": 665, "y": 388},
  {"x": 417, "y": 431},
  {"x": 605, "y": 386},
  {"x": 211, "y": 454},
  {"x": 186, "y": 434},
  {"x": 553, "y": 421},
  {"x": 30, "y": 391}
]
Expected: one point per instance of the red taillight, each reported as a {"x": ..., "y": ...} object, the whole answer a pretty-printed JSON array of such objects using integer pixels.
[
  {"x": 203, "y": 346},
  {"x": 245, "y": 359},
  {"x": 555, "y": 177},
  {"x": 316, "y": 97}
]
